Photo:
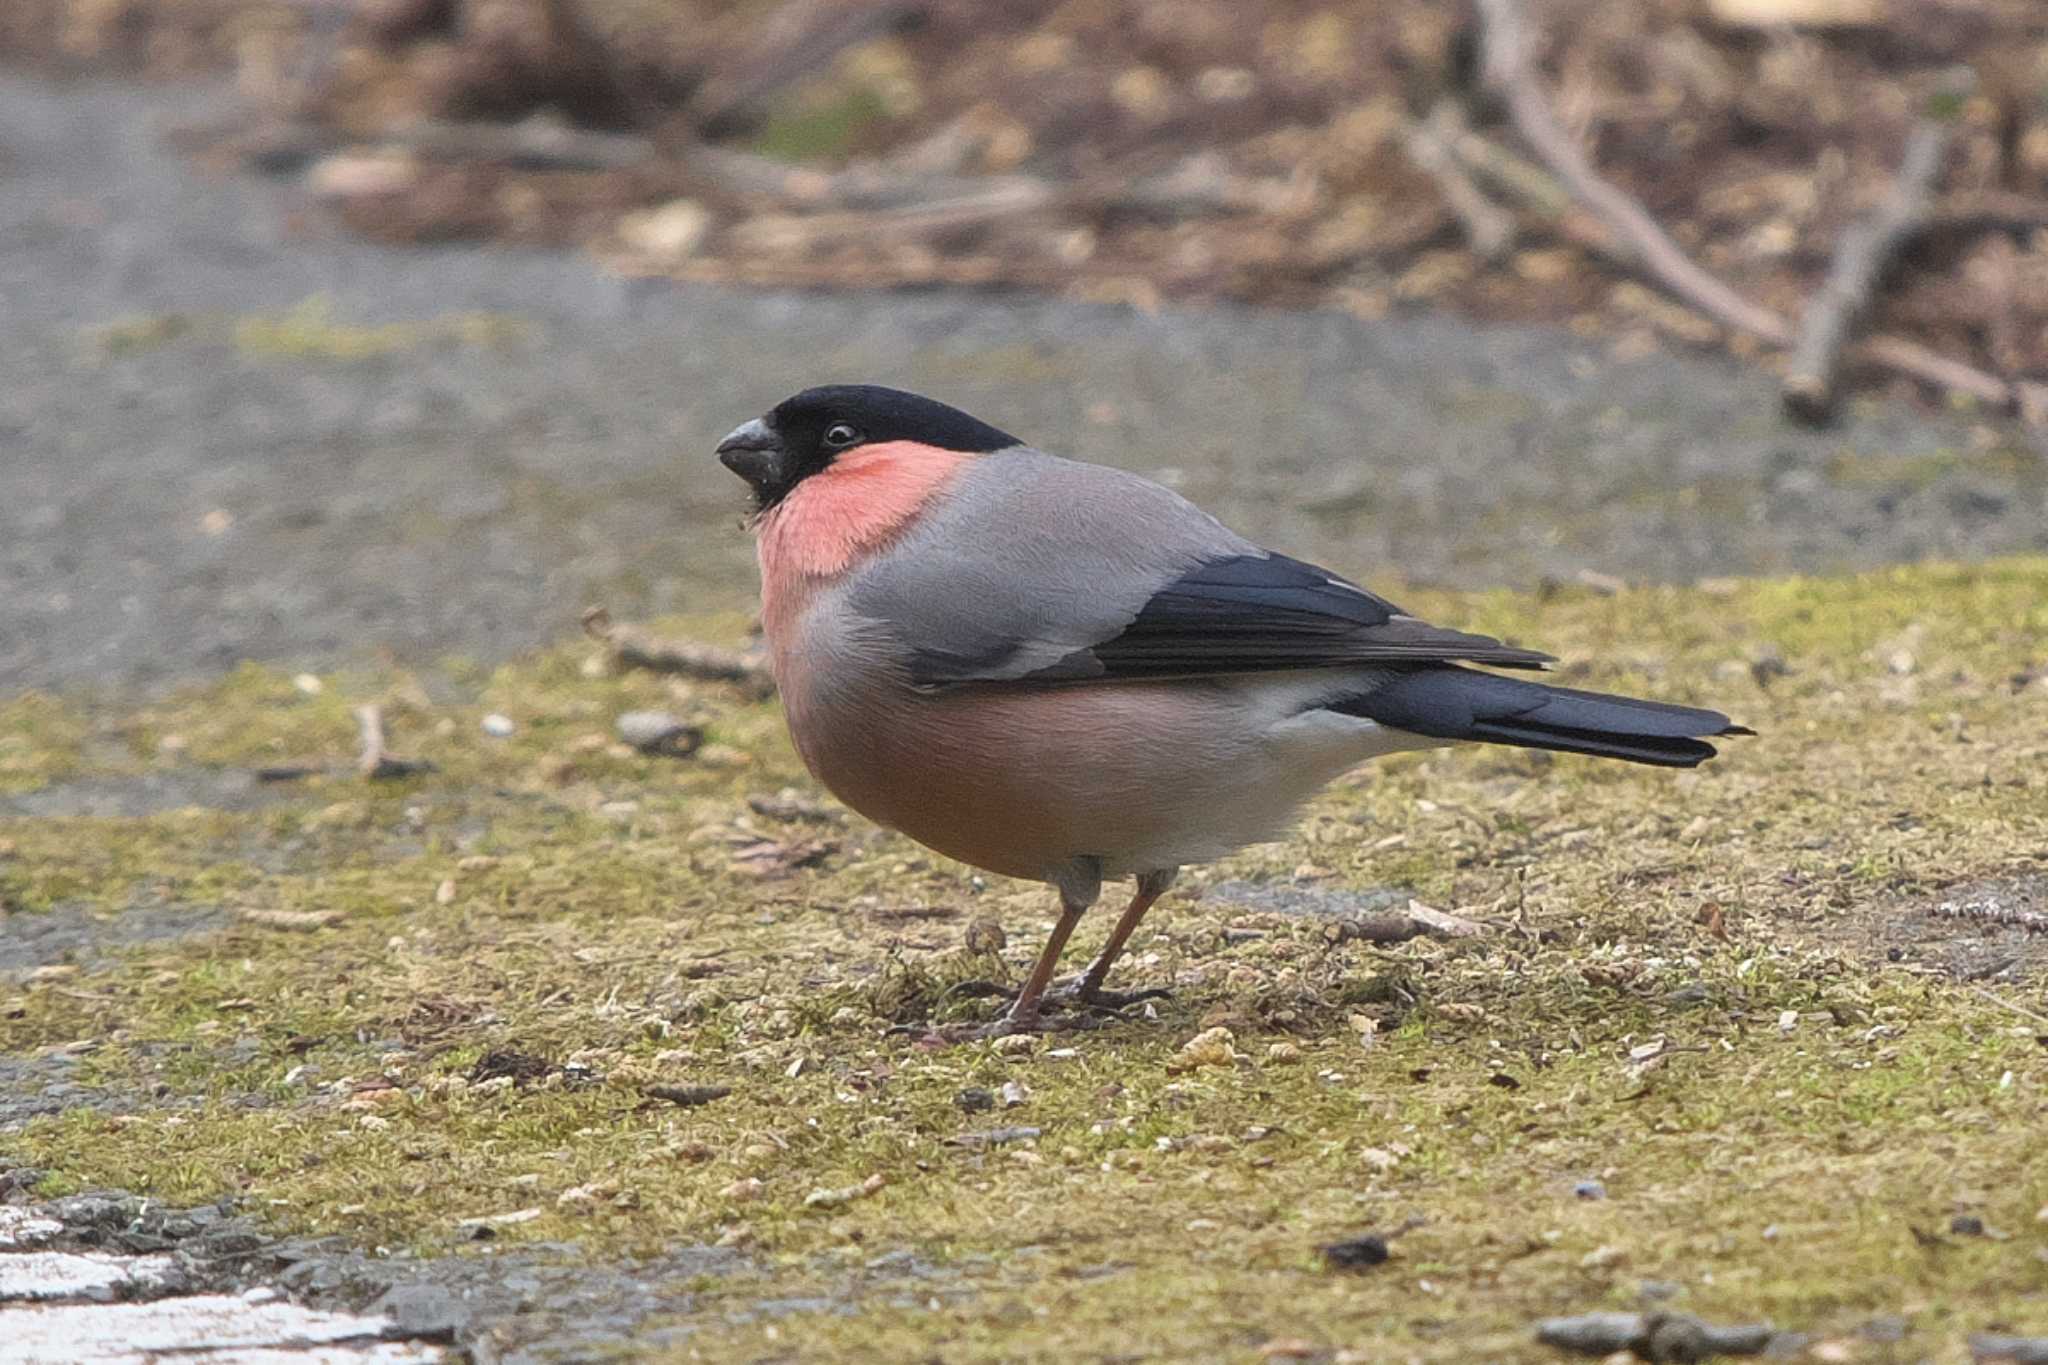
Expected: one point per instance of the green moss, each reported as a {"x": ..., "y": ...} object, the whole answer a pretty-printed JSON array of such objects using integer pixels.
[
  {"x": 1811, "y": 1108},
  {"x": 1914, "y": 473},
  {"x": 308, "y": 330},
  {"x": 821, "y": 129},
  {"x": 42, "y": 739},
  {"x": 311, "y": 330},
  {"x": 145, "y": 332}
]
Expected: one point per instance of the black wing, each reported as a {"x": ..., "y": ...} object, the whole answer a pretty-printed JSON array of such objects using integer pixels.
[{"x": 1259, "y": 613}]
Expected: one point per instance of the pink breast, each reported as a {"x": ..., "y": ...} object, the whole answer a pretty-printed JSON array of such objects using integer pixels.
[{"x": 834, "y": 517}]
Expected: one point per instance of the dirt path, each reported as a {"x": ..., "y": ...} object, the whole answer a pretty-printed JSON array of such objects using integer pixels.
[{"x": 457, "y": 449}]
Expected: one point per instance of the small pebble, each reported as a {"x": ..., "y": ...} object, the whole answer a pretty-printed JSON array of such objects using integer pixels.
[
  {"x": 1356, "y": 1253},
  {"x": 985, "y": 935},
  {"x": 831, "y": 1199},
  {"x": 497, "y": 726},
  {"x": 974, "y": 1101},
  {"x": 1589, "y": 1190},
  {"x": 1966, "y": 1225},
  {"x": 1210, "y": 1047},
  {"x": 658, "y": 732}
]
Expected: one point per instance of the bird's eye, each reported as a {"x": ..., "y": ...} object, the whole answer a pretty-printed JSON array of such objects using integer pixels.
[{"x": 839, "y": 436}]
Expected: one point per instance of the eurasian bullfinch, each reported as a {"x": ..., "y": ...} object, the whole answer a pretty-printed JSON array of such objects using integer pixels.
[{"x": 1066, "y": 673}]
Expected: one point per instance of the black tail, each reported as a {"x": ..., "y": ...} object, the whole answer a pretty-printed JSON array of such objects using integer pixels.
[{"x": 1448, "y": 702}]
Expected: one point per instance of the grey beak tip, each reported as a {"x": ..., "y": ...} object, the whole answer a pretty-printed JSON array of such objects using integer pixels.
[{"x": 754, "y": 435}]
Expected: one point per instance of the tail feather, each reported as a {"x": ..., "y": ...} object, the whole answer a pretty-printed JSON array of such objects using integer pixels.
[{"x": 1448, "y": 702}]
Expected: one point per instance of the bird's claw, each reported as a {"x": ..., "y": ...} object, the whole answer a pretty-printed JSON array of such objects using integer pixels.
[{"x": 1109, "y": 1002}]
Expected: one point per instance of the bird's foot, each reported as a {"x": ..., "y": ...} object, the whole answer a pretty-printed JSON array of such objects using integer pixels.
[{"x": 1079, "y": 992}]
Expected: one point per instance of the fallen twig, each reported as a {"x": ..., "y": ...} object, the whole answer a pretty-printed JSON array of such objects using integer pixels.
[
  {"x": 1653, "y": 1336},
  {"x": 2021, "y": 1010},
  {"x": 1865, "y": 251},
  {"x": 636, "y": 647},
  {"x": 1635, "y": 241},
  {"x": 377, "y": 763},
  {"x": 1431, "y": 145},
  {"x": 989, "y": 201},
  {"x": 286, "y": 147},
  {"x": 2029, "y": 921}
]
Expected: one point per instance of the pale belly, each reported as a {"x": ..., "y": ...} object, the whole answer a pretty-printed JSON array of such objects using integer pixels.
[{"x": 1141, "y": 776}]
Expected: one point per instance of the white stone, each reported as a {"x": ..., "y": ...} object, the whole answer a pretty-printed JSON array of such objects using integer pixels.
[
  {"x": 21, "y": 1228},
  {"x": 38, "y": 1276},
  {"x": 208, "y": 1329}
]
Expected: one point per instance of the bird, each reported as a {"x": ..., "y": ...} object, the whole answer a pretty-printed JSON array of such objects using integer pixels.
[{"x": 1067, "y": 673}]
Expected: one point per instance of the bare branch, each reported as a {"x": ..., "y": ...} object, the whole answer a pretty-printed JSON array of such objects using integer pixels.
[
  {"x": 1489, "y": 229},
  {"x": 376, "y": 762},
  {"x": 1507, "y": 68},
  {"x": 1862, "y": 256},
  {"x": 1638, "y": 243},
  {"x": 637, "y": 647}
]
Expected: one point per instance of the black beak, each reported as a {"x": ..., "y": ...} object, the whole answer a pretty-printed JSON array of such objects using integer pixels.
[{"x": 754, "y": 452}]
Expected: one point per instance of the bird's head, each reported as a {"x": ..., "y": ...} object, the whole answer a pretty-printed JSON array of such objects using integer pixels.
[{"x": 803, "y": 435}]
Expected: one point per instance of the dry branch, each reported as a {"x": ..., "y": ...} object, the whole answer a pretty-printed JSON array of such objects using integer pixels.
[
  {"x": 1866, "y": 250},
  {"x": 798, "y": 233},
  {"x": 1639, "y": 244},
  {"x": 637, "y": 647},
  {"x": 1431, "y": 145},
  {"x": 1506, "y": 63},
  {"x": 535, "y": 144},
  {"x": 2021, "y": 1010},
  {"x": 377, "y": 762}
]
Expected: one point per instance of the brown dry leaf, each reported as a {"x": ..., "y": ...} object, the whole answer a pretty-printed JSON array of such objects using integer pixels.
[{"x": 771, "y": 858}]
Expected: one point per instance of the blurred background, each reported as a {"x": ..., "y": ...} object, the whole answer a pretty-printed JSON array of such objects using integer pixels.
[{"x": 407, "y": 324}]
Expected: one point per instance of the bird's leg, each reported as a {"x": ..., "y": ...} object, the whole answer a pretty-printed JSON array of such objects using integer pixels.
[
  {"x": 1088, "y": 990},
  {"x": 1023, "y": 1015},
  {"x": 1079, "y": 887}
]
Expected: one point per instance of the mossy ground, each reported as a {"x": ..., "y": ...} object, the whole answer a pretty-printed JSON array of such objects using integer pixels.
[{"x": 1794, "y": 1151}]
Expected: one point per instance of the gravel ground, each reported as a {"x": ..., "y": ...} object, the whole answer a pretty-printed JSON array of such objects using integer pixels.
[{"x": 181, "y": 491}]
